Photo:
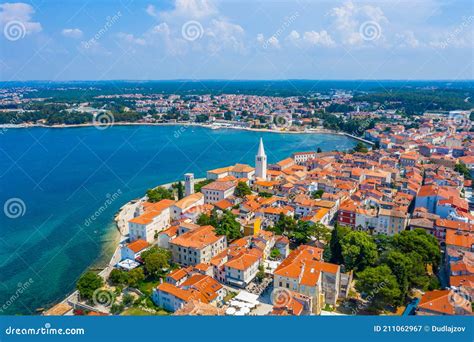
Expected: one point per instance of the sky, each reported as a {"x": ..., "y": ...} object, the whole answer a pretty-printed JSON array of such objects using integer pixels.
[{"x": 236, "y": 39}]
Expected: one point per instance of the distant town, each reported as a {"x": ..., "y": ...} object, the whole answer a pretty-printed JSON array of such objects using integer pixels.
[{"x": 386, "y": 228}]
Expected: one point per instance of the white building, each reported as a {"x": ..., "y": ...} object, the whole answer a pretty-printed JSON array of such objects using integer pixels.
[
  {"x": 217, "y": 191},
  {"x": 261, "y": 162},
  {"x": 154, "y": 218},
  {"x": 189, "y": 183},
  {"x": 186, "y": 203}
]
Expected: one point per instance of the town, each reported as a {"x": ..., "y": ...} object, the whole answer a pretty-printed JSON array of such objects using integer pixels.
[{"x": 386, "y": 228}]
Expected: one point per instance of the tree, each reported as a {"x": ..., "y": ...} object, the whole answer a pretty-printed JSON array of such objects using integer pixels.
[
  {"x": 118, "y": 277},
  {"x": 158, "y": 194},
  {"x": 420, "y": 242},
  {"x": 379, "y": 286},
  {"x": 228, "y": 226},
  {"x": 360, "y": 147},
  {"x": 88, "y": 283},
  {"x": 319, "y": 150},
  {"x": 127, "y": 299},
  {"x": 463, "y": 170},
  {"x": 358, "y": 250},
  {"x": 116, "y": 309},
  {"x": 242, "y": 190},
  {"x": 400, "y": 265},
  {"x": 179, "y": 189},
  {"x": 285, "y": 225},
  {"x": 260, "y": 273},
  {"x": 302, "y": 232},
  {"x": 275, "y": 253},
  {"x": 321, "y": 232},
  {"x": 317, "y": 194},
  {"x": 135, "y": 276},
  {"x": 335, "y": 248},
  {"x": 155, "y": 259}
]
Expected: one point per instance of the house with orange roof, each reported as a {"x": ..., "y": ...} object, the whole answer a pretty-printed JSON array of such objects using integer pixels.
[
  {"x": 303, "y": 271},
  {"x": 152, "y": 218},
  {"x": 443, "y": 302},
  {"x": 290, "y": 303},
  {"x": 179, "y": 208},
  {"x": 133, "y": 249},
  {"x": 242, "y": 269},
  {"x": 197, "y": 287},
  {"x": 197, "y": 245}
]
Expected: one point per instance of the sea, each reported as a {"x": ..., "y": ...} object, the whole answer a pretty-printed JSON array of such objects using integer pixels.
[{"x": 61, "y": 187}]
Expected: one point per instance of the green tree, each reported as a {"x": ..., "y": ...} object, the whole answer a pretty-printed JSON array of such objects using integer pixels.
[
  {"x": 379, "y": 286},
  {"x": 135, "y": 276},
  {"x": 420, "y": 242},
  {"x": 335, "y": 248},
  {"x": 321, "y": 232},
  {"x": 260, "y": 273},
  {"x": 158, "y": 194},
  {"x": 400, "y": 265},
  {"x": 179, "y": 189},
  {"x": 127, "y": 299},
  {"x": 156, "y": 259},
  {"x": 358, "y": 250},
  {"x": 199, "y": 185},
  {"x": 317, "y": 194},
  {"x": 275, "y": 253},
  {"x": 242, "y": 190},
  {"x": 228, "y": 226},
  {"x": 285, "y": 225},
  {"x": 118, "y": 277},
  {"x": 88, "y": 283},
  {"x": 360, "y": 147}
]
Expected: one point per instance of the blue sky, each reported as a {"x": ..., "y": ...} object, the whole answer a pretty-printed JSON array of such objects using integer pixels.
[{"x": 247, "y": 39}]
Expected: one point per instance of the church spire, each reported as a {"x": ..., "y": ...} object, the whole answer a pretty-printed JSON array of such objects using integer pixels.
[
  {"x": 261, "y": 162},
  {"x": 261, "y": 149}
]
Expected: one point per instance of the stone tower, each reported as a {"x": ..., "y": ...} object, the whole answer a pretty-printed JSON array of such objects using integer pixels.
[{"x": 189, "y": 183}]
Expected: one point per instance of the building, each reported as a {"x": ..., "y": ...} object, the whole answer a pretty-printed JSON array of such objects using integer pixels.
[
  {"x": 241, "y": 269},
  {"x": 197, "y": 245},
  {"x": 152, "y": 219},
  {"x": 189, "y": 184},
  {"x": 304, "y": 272},
  {"x": 443, "y": 302},
  {"x": 133, "y": 250},
  {"x": 185, "y": 204},
  {"x": 197, "y": 287},
  {"x": 261, "y": 162},
  {"x": 217, "y": 191}
]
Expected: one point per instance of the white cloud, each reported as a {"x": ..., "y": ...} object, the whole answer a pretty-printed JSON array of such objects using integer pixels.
[
  {"x": 351, "y": 19},
  {"x": 193, "y": 9},
  {"x": 72, "y": 33},
  {"x": 408, "y": 39},
  {"x": 21, "y": 12},
  {"x": 130, "y": 38},
  {"x": 311, "y": 38}
]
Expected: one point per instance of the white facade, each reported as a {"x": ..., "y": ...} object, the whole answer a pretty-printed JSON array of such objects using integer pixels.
[
  {"x": 147, "y": 230},
  {"x": 261, "y": 162},
  {"x": 189, "y": 184}
]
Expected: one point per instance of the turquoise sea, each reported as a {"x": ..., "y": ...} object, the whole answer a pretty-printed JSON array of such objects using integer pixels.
[{"x": 53, "y": 180}]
